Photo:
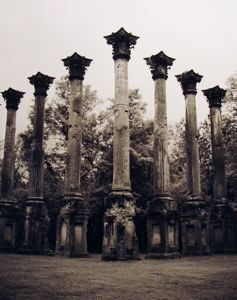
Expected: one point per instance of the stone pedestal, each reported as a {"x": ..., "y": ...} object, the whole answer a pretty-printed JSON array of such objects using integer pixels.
[
  {"x": 162, "y": 217},
  {"x": 8, "y": 204},
  {"x": 194, "y": 217},
  {"x": 72, "y": 229},
  {"x": 222, "y": 231},
  {"x": 36, "y": 218},
  {"x": 73, "y": 218},
  {"x": 119, "y": 241}
]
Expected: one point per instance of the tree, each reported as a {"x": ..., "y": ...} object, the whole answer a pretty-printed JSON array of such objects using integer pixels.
[
  {"x": 177, "y": 160},
  {"x": 96, "y": 172},
  {"x": 229, "y": 129}
]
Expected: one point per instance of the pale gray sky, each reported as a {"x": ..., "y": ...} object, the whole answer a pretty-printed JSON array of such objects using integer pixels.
[{"x": 36, "y": 35}]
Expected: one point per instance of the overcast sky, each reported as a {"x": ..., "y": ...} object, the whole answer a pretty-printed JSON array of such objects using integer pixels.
[{"x": 36, "y": 35}]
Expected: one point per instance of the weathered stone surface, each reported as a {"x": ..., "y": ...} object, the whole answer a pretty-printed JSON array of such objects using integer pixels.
[
  {"x": 122, "y": 43},
  {"x": 162, "y": 221},
  {"x": 194, "y": 217},
  {"x": 160, "y": 148},
  {"x": 188, "y": 81},
  {"x": 222, "y": 216},
  {"x": 9, "y": 156},
  {"x": 36, "y": 217},
  {"x": 214, "y": 97},
  {"x": 77, "y": 66},
  {"x": 121, "y": 142},
  {"x": 192, "y": 148},
  {"x": 73, "y": 167},
  {"x": 159, "y": 65},
  {"x": 8, "y": 204},
  {"x": 119, "y": 241},
  {"x": 12, "y": 98},
  {"x": 73, "y": 218}
]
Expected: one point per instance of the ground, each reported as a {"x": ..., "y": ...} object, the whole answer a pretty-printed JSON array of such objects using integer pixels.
[{"x": 42, "y": 277}]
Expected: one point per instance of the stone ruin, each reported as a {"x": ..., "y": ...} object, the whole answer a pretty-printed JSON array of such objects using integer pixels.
[{"x": 195, "y": 229}]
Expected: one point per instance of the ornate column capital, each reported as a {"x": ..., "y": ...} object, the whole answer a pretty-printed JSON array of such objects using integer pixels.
[
  {"x": 77, "y": 66},
  {"x": 12, "y": 98},
  {"x": 122, "y": 43},
  {"x": 159, "y": 65},
  {"x": 214, "y": 96},
  {"x": 41, "y": 83},
  {"x": 188, "y": 81}
]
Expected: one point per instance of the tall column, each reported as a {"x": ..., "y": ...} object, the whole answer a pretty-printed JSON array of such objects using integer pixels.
[
  {"x": 36, "y": 213},
  {"x": 8, "y": 205},
  {"x": 221, "y": 222},
  {"x": 162, "y": 221},
  {"x": 119, "y": 231},
  {"x": 193, "y": 213},
  {"x": 72, "y": 222}
]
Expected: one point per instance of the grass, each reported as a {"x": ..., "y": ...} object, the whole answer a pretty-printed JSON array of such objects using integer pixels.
[{"x": 41, "y": 277}]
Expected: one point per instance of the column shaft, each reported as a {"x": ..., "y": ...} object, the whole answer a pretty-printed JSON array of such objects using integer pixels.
[
  {"x": 194, "y": 215},
  {"x": 37, "y": 151},
  {"x": 161, "y": 165},
  {"x": 219, "y": 181},
  {"x": 73, "y": 217},
  {"x": 9, "y": 212},
  {"x": 120, "y": 237},
  {"x": 36, "y": 216},
  {"x": 193, "y": 163},
  {"x": 121, "y": 161},
  {"x": 72, "y": 178},
  {"x": 221, "y": 222},
  {"x": 9, "y": 156},
  {"x": 162, "y": 225}
]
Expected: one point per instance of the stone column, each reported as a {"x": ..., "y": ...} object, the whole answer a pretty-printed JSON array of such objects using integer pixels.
[
  {"x": 72, "y": 222},
  {"x": 8, "y": 205},
  {"x": 221, "y": 221},
  {"x": 36, "y": 213},
  {"x": 162, "y": 221},
  {"x": 193, "y": 212},
  {"x": 119, "y": 236}
]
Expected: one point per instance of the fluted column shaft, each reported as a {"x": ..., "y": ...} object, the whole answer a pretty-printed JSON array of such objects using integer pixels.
[
  {"x": 121, "y": 160},
  {"x": 37, "y": 151},
  {"x": 73, "y": 168},
  {"x": 36, "y": 218},
  {"x": 41, "y": 84}
]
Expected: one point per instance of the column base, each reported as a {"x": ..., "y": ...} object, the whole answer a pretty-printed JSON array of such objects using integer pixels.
[
  {"x": 72, "y": 228},
  {"x": 162, "y": 228},
  {"x": 8, "y": 225},
  {"x": 120, "y": 241},
  {"x": 36, "y": 225},
  {"x": 194, "y": 227},
  {"x": 222, "y": 229}
]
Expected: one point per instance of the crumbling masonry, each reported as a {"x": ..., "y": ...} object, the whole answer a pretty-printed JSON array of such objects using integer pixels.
[{"x": 193, "y": 227}]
